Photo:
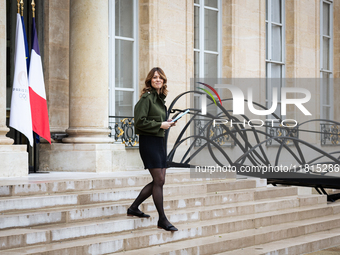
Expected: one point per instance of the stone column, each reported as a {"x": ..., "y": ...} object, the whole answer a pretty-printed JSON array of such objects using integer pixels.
[
  {"x": 13, "y": 158},
  {"x": 88, "y": 148},
  {"x": 88, "y": 72}
]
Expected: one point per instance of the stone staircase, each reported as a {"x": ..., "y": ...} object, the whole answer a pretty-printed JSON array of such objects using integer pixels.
[{"x": 88, "y": 216}]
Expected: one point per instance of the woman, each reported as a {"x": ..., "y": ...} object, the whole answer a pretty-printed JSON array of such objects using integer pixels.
[{"x": 150, "y": 123}]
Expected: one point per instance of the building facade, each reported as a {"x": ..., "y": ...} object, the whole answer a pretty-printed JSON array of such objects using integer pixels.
[{"x": 97, "y": 53}]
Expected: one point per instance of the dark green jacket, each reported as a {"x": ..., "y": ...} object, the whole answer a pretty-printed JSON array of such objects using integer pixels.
[{"x": 149, "y": 114}]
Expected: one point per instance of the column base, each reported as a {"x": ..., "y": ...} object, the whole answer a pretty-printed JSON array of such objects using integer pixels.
[
  {"x": 3, "y": 139},
  {"x": 82, "y": 157},
  {"x": 14, "y": 161},
  {"x": 88, "y": 135}
]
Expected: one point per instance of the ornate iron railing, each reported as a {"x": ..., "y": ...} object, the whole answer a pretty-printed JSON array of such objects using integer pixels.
[
  {"x": 217, "y": 134},
  {"x": 330, "y": 134},
  {"x": 280, "y": 131},
  {"x": 123, "y": 130}
]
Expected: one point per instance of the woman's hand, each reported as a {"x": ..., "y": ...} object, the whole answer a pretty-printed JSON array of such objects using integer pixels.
[
  {"x": 173, "y": 123},
  {"x": 167, "y": 124}
]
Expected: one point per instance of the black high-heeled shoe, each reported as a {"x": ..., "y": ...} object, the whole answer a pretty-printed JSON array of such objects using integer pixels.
[
  {"x": 139, "y": 214},
  {"x": 167, "y": 228}
]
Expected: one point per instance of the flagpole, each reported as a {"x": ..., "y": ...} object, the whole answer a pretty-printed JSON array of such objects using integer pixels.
[
  {"x": 22, "y": 7},
  {"x": 33, "y": 8},
  {"x": 18, "y": 1}
]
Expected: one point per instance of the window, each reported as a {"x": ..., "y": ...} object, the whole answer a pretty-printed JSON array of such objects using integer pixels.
[
  {"x": 207, "y": 43},
  {"x": 326, "y": 60},
  {"x": 207, "y": 38},
  {"x": 275, "y": 50},
  {"x": 123, "y": 57}
]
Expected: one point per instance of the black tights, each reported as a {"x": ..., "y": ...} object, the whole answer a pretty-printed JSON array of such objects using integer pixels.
[{"x": 154, "y": 188}]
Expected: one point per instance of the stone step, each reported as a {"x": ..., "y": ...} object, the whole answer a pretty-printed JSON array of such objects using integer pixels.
[
  {"x": 80, "y": 182},
  {"x": 64, "y": 232},
  {"x": 29, "y": 188},
  {"x": 98, "y": 196},
  {"x": 294, "y": 246},
  {"x": 207, "y": 237},
  {"x": 240, "y": 240},
  {"x": 335, "y": 206},
  {"x": 272, "y": 206},
  {"x": 77, "y": 212}
]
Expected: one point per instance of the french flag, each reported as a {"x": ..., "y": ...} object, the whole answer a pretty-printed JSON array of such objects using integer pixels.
[{"x": 40, "y": 122}]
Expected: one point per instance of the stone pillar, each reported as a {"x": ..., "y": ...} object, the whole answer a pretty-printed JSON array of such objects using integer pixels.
[
  {"x": 88, "y": 72},
  {"x": 13, "y": 158},
  {"x": 88, "y": 148}
]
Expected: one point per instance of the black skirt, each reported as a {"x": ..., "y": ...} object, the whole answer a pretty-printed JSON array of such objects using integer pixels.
[{"x": 152, "y": 151}]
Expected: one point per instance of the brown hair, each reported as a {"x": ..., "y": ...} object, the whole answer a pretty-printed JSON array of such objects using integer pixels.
[{"x": 148, "y": 79}]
